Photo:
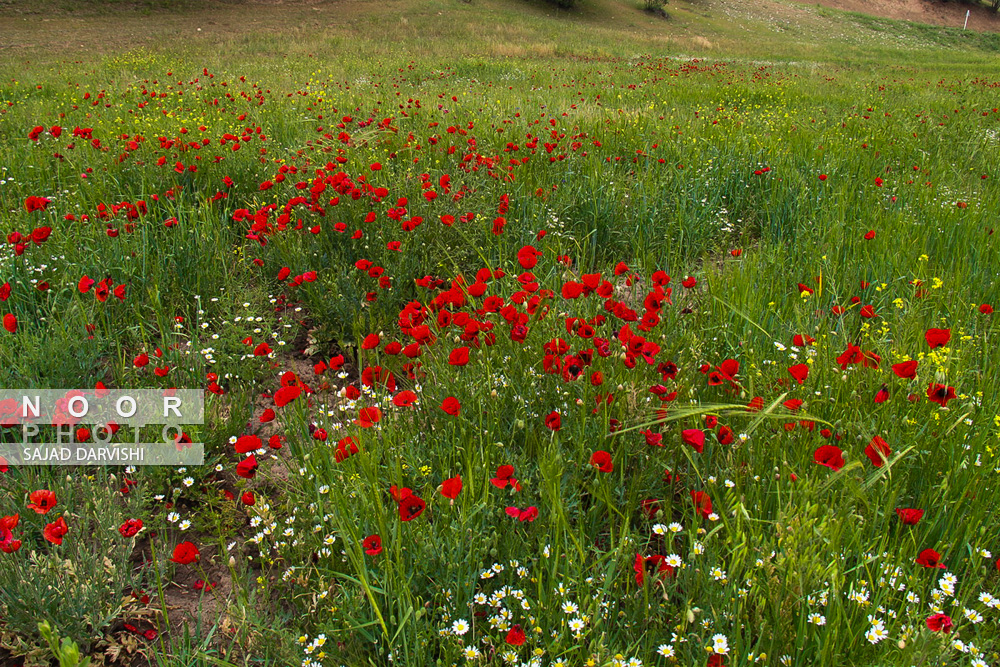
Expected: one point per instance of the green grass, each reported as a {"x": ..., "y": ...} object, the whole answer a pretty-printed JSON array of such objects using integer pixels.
[{"x": 755, "y": 150}]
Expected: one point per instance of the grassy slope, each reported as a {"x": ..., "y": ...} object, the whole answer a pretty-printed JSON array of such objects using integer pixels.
[
  {"x": 487, "y": 40},
  {"x": 771, "y": 30}
]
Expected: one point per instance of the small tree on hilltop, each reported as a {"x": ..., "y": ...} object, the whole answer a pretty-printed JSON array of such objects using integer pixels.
[{"x": 656, "y": 6}]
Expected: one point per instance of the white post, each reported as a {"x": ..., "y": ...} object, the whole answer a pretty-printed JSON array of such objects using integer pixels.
[{"x": 967, "y": 12}]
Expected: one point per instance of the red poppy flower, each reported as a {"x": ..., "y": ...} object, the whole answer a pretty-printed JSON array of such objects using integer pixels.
[
  {"x": 905, "y": 369},
  {"x": 7, "y": 542},
  {"x": 398, "y": 493},
  {"x": 198, "y": 585},
  {"x": 370, "y": 342},
  {"x": 451, "y": 487},
  {"x": 878, "y": 451},
  {"x": 185, "y": 553},
  {"x": 553, "y": 421},
  {"x": 939, "y": 623},
  {"x": 793, "y": 404},
  {"x": 42, "y": 501},
  {"x": 54, "y": 531},
  {"x": 882, "y": 395},
  {"x": 867, "y": 312},
  {"x": 940, "y": 394},
  {"x": 515, "y": 637},
  {"x": 602, "y": 461},
  {"x": 689, "y": 282},
  {"x": 451, "y": 406},
  {"x": 459, "y": 356},
  {"x": 367, "y": 417},
  {"x": 830, "y": 456},
  {"x": 247, "y": 468},
  {"x": 930, "y": 558},
  {"x": 528, "y": 256},
  {"x": 729, "y": 368},
  {"x": 724, "y": 435},
  {"x": 182, "y": 441},
  {"x": 504, "y": 477},
  {"x": 702, "y": 503},
  {"x": 851, "y": 355},
  {"x": 130, "y": 528},
  {"x": 10, "y": 323},
  {"x": 372, "y": 545},
  {"x": 404, "y": 398},
  {"x": 286, "y": 395},
  {"x": 800, "y": 372},
  {"x": 248, "y": 443},
  {"x": 527, "y": 514},
  {"x": 870, "y": 234},
  {"x": 102, "y": 291},
  {"x": 937, "y": 337},
  {"x": 411, "y": 507},
  {"x": 654, "y": 566},
  {"x": 909, "y": 517},
  {"x": 34, "y": 203},
  {"x": 653, "y": 439},
  {"x": 986, "y": 309},
  {"x": 345, "y": 448},
  {"x": 694, "y": 437}
]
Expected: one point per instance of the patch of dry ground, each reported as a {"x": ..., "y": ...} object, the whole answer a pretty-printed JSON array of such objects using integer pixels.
[{"x": 931, "y": 12}]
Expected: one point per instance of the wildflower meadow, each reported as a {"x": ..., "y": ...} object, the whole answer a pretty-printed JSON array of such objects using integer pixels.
[{"x": 609, "y": 354}]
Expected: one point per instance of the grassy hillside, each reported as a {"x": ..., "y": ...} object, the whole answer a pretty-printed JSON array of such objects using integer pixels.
[{"x": 507, "y": 28}]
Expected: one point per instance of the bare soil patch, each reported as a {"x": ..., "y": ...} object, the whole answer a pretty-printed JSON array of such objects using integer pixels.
[{"x": 931, "y": 12}]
